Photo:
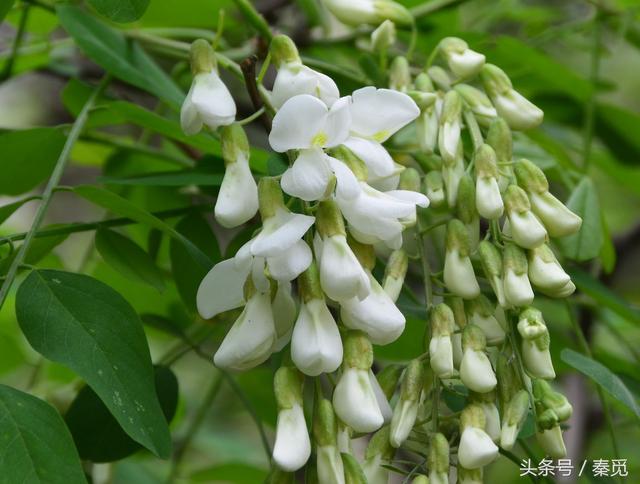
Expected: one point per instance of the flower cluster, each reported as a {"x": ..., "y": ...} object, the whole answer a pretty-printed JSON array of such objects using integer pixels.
[{"x": 305, "y": 281}]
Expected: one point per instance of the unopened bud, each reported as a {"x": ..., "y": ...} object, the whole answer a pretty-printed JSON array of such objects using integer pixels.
[
  {"x": 535, "y": 344},
  {"x": 545, "y": 271},
  {"x": 531, "y": 177},
  {"x": 482, "y": 313},
  {"x": 423, "y": 83},
  {"x": 388, "y": 379},
  {"x": 476, "y": 371},
  {"x": 399, "y": 74},
  {"x": 458, "y": 270},
  {"x": 509, "y": 382},
  {"x": 517, "y": 288},
  {"x": 420, "y": 479},
  {"x": 550, "y": 399},
  {"x": 450, "y": 124},
  {"x": 552, "y": 442},
  {"x": 283, "y": 50},
  {"x": 410, "y": 180},
  {"x": 395, "y": 273},
  {"x": 526, "y": 229},
  {"x": 406, "y": 410},
  {"x": 438, "y": 460},
  {"x": 492, "y": 265},
  {"x": 434, "y": 188},
  {"x": 383, "y": 37},
  {"x": 202, "y": 56},
  {"x": 514, "y": 416},
  {"x": 439, "y": 77},
  {"x": 379, "y": 451},
  {"x": 466, "y": 204},
  {"x": 462, "y": 61},
  {"x": 353, "y": 473},
  {"x": 478, "y": 102},
  {"x": 476, "y": 448}
]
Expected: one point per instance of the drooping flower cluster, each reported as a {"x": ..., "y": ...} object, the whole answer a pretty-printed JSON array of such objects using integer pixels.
[{"x": 306, "y": 284}]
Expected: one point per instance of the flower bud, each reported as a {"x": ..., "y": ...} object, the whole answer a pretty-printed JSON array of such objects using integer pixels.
[
  {"x": 547, "y": 398},
  {"x": 552, "y": 442},
  {"x": 466, "y": 209},
  {"x": 388, "y": 379},
  {"x": 354, "y": 399},
  {"x": 517, "y": 288},
  {"x": 381, "y": 398},
  {"x": 283, "y": 50},
  {"x": 475, "y": 369},
  {"x": 399, "y": 74},
  {"x": 513, "y": 418},
  {"x": 535, "y": 344},
  {"x": 406, "y": 410},
  {"x": 284, "y": 314},
  {"x": 526, "y": 229},
  {"x": 423, "y": 83},
  {"x": 488, "y": 198},
  {"x": 372, "y": 12},
  {"x": 237, "y": 200},
  {"x": 395, "y": 273},
  {"x": 440, "y": 77},
  {"x": 482, "y": 313},
  {"x": 292, "y": 447},
  {"x": 460, "y": 317},
  {"x": 440, "y": 346},
  {"x": 470, "y": 476},
  {"x": 476, "y": 448},
  {"x": 478, "y": 102},
  {"x": 545, "y": 271},
  {"x": 451, "y": 175},
  {"x": 500, "y": 139},
  {"x": 492, "y": 265},
  {"x": 486, "y": 401},
  {"x": 509, "y": 382},
  {"x": 379, "y": 451},
  {"x": 438, "y": 460},
  {"x": 458, "y": 271},
  {"x": 328, "y": 461},
  {"x": 250, "y": 340},
  {"x": 462, "y": 61},
  {"x": 520, "y": 113},
  {"x": 208, "y": 101},
  {"x": 384, "y": 36},
  {"x": 434, "y": 188},
  {"x": 420, "y": 479},
  {"x": 353, "y": 473},
  {"x": 450, "y": 125}
]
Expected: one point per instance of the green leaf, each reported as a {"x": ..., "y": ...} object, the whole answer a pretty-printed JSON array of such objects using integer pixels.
[
  {"x": 236, "y": 472},
  {"x": 124, "y": 207},
  {"x": 40, "y": 247},
  {"x": 186, "y": 273},
  {"x": 408, "y": 345},
  {"x": 35, "y": 445},
  {"x": 7, "y": 211},
  {"x": 587, "y": 242},
  {"x": 5, "y": 6},
  {"x": 121, "y": 10},
  {"x": 98, "y": 436},
  {"x": 604, "y": 296},
  {"x": 603, "y": 377},
  {"x": 85, "y": 325},
  {"x": 28, "y": 157},
  {"x": 128, "y": 258},
  {"x": 118, "y": 55},
  {"x": 167, "y": 179},
  {"x": 167, "y": 325}
]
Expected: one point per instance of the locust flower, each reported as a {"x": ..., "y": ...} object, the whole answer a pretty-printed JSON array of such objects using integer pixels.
[
  {"x": 476, "y": 371},
  {"x": 476, "y": 448},
  {"x": 440, "y": 345},
  {"x": 481, "y": 312},
  {"x": 325, "y": 430},
  {"x": 491, "y": 260},
  {"x": 535, "y": 344},
  {"x": 552, "y": 442},
  {"x": 395, "y": 273},
  {"x": 517, "y": 288},
  {"x": 372, "y": 12},
  {"x": 488, "y": 198},
  {"x": 292, "y": 447},
  {"x": 513, "y": 418},
  {"x": 238, "y": 196},
  {"x": 208, "y": 101},
  {"x": 526, "y": 229},
  {"x": 478, "y": 102},
  {"x": 316, "y": 346},
  {"x": 449, "y": 139},
  {"x": 379, "y": 452},
  {"x": 458, "y": 271},
  {"x": 354, "y": 399},
  {"x": 406, "y": 409},
  {"x": 519, "y": 112},
  {"x": 545, "y": 271},
  {"x": 438, "y": 460},
  {"x": 462, "y": 61}
]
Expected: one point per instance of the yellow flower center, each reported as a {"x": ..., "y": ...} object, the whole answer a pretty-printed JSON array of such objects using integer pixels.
[{"x": 319, "y": 140}]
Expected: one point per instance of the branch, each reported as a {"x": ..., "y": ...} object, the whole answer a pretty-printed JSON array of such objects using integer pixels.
[{"x": 248, "y": 67}]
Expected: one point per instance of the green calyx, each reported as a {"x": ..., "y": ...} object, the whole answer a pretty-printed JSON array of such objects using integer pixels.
[
  {"x": 453, "y": 45},
  {"x": 442, "y": 320},
  {"x": 500, "y": 139},
  {"x": 358, "y": 352},
  {"x": 490, "y": 258},
  {"x": 202, "y": 57},
  {"x": 388, "y": 379},
  {"x": 457, "y": 306},
  {"x": 451, "y": 108},
  {"x": 458, "y": 237},
  {"x": 409, "y": 180},
  {"x": 486, "y": 162},
  {"x": 386, "y": 9},
  {"x": 412, "y": 381},
  {"x": 235, "y": 144},
  {"x": 353, "y": 473},
  {"x": 325, "y": 424},
  {"x": 466, "y": 202},
  {"x": 397, "y": 265},
  {"x": 547, "y": 398},
  {"x": 309, "y": 284},
  {"x": 438, "y": 459},
  {"x": 329, "y": 219},
  {"x": 355, "y": 164},
  {"x": 472, "y": 416},
  {"x": 509, "y": 382},
  {"x": 517, "y": 409},
  {"x": 423, "y": 83},
  {"x": 514, "y": 259},
  {"x": 516, "y": 200},
  {"x": 399, "y": 74},
  {"x": 473, "y": 338},
  {"x": 531, "y": 177},
  {"x": 287, "y": 385},
  {"x": 380, "y": 445},
  {"x": 283, "y": 50},
  {"x": 365, "y": 253},
  {"x": 480, "y": 305},
  {"x": 270, "y": 197},
  {"x": 495, "y": 81}
]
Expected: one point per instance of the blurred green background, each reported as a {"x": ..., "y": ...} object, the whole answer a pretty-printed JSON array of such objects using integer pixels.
[{"x": 577, "y": 60}]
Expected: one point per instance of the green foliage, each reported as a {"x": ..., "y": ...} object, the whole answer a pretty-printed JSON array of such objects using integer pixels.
[
  {"x": 30, "y": 429},
  {"x": 82, "y": 323},
  {"x": 121, "y": 10}
]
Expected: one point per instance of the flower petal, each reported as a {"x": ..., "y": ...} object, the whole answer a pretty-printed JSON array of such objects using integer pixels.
[
  {"x": 290, "y": 264},
  {"x": 190, "y": 119},
  {"x": 299, "y": 124},
  {"x": 288, "y": 228},
  {"x": 379, "y": 113},
  {"x": 238, "y": 196},
  {"x": 292, "y": 448},
  {"x": 338, "y": 122},
  {"x": 294, "y": 79},
  {"x": 378, "y": 160},
  {"x": 213, "y": 100},
  {"x": 347, "y": 186},
  {"x": 221, "y": 289},
  {"x": 308, "y": 177}
]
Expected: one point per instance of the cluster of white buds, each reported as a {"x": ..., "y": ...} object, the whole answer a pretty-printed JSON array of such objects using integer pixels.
[{"x": 307, "y": 279}]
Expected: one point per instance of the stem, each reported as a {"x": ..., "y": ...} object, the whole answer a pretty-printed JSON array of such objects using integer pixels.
[
  {"x": 8, "y": 67},
  {"x": 248, "y": 67},
  {"x": 88, "y": 226},
  {"x": 521, "y": 372},
  {"x": 193, "y": 427},
  {"x": 251, "y": 117},
  {"x": 58, "y": 170},
  {"x": 590, "y": 106},
  {"x": 255, "y": 18},
  {"x": 586, "y": 349},
  {"x": 413, "y": 40}
]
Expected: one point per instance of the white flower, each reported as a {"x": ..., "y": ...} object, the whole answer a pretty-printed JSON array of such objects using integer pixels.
[
  {"x": 518, "y": 111},
  {"x": 341, "y": 274},
  {"x": 316, "y": 346},
  {"x": 459, "y": 275},
  {"x": 451, "y": 176},
  {"x": 376, "y": 315},
  {"x": 552, "y": 442},
  {"x": 208, "y": 102},
  {"x": 492, "y": 417},
  {"x": 305, "y": 122},
  {"x": 292, "y": 447},
  {"x": 329, "y": 465},
  {"x": 476, "y": 371},
  {"x": 488, "y": 198},
  {"x": 441, "y": 356},
  {"x": 462, "y": 61},
  {"x": 556, "y": 217},
  {"x": 482, "y": 313},
  {"x": 545, "y": 271},
  {"x": 375, "y": 216},
  {"x": 310, "y": 175},
  {"x": 355, "y": 402},
  {"x": 373, "y": 12},
  {"x": 294, "y": 78},
  {"x": 250, "y": 340},
  {"x": 449, "y": 141},
  {"x": 517, "y": 288},
  {"x": 284, "y": 314},
  {"x": 383, "y": 403},
  {"x": 376, "y": 114},
  {"x": 537, "y": 360},
  {"x": 280, "y": 232},
  {"x": 476, "y": 448}
]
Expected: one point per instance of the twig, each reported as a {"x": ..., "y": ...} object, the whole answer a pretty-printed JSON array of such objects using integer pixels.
[
  {"x": 248, "y": 67},
  {"x": 254, "y": 18},
  {"x": 8, "y": 67}
]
